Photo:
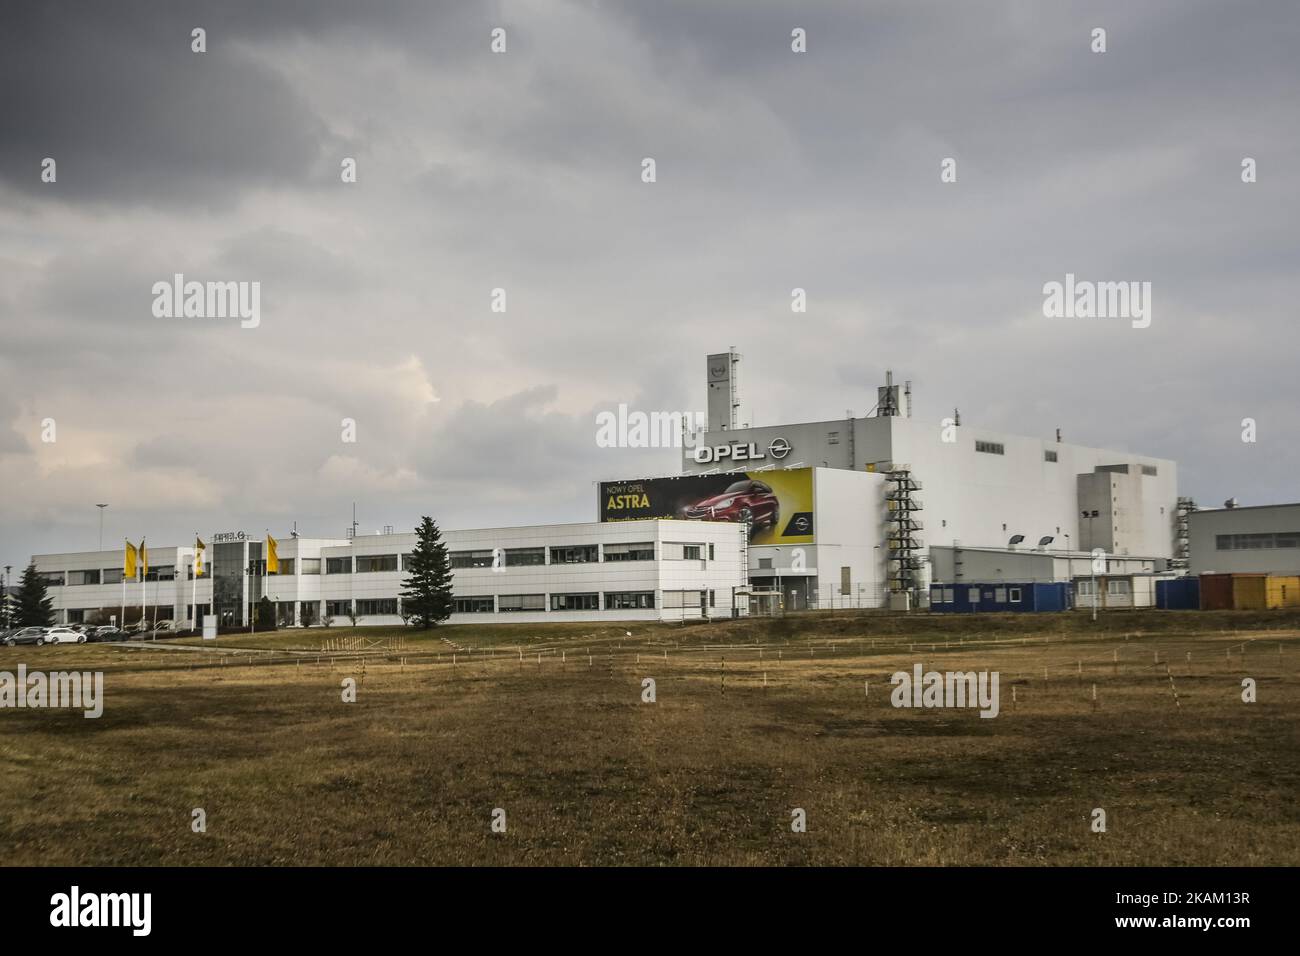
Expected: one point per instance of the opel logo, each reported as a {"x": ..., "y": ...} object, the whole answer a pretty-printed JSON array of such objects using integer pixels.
[{"x": 778, "y": 448}]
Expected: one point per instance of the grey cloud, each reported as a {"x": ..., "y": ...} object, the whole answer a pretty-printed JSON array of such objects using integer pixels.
[{"x": 522, "y": 171}]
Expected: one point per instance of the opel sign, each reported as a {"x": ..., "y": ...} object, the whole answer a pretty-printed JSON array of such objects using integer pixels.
[{"x": 778, "y": 448}]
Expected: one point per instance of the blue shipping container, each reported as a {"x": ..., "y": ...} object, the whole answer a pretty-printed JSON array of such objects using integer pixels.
[
  {"x": 966, "y": 598},
  {"x": 1179, "y": 594}
]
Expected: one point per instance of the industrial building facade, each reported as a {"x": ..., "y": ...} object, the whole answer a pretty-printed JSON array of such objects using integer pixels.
[
  {"x": 1262, "y": 539},
  {"x": 888, "y": 490},
  {"x": 637, "y": 570},
  {"x": 863, "y": 511}
]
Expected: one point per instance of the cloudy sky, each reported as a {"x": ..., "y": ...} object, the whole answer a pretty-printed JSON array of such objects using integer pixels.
[{"x": 522, "y": 171}]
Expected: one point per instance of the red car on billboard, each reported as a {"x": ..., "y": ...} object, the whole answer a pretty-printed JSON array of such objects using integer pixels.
[{"x": 747, "y": 501}]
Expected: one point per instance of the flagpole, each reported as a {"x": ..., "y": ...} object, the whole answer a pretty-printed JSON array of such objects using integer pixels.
[
  {"x": 144, "y": 575},
  {"x": 194, "y": 591}
]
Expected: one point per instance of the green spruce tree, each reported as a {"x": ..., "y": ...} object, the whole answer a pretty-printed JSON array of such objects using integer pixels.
[
  {"x": 427, "y": 594},
  {"x": 265, "y": 614},
  {"x": 35, "y": 607}
]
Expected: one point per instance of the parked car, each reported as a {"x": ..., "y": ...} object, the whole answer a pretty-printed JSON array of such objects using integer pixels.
[
  {"x": 165, "y": 626},
  {"x": 26, "y": 635},
  {"x": 106, "y": 632},
  {"x": 744, "y": 501},
  {"x": 64, "y": 635}
]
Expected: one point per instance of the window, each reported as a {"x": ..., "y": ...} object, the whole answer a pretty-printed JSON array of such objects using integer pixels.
[
  {"x": 163, "y": 572},
  {"x": 472, "y": 605},
  {"x": 1000, "y": 595},
  {"x": 1259, "y": 541},
  {"x": 576, "y": 554},
  {"x": 629, "y": 600},
  {"x": 1049, "y": 456},
  {"x": 207, "y": 570},
  {"x": 371, "y": 563},
  {"x": 765, "y": 564},
  {"x": 575, "y": 602},
  {"x": 338, "y": 608},
  {"x": 524, "y": 557},
  {"x": 630, "y": 552},
  {"x": 472, "y": 559},
  {"x": 1084, "y": 588},
  {"x": 1015, "y": 595},
  {"x": 1149, "y": 470},
  {"x": 286, "y": 566},
  {"x": 378, "y": 605},
  {"x": 78, "y": 614},
  {"x": 972, "y": 595},
  {"x": 338, "y": 565},
  {"x": 948, "y": 596},
  {"x": 711, "y": 551},
  {"x": 990, "y": 447},
  {"x": 111, "y": 576},
  {"x": 713, "y": 599},
  {"x": 83, "y": 577},
  {"x": 1117, "y": 587},
  {"x": 676, "y": 551},
  {"x": 521, "y": 602},
  {"x": 309, "y": 565},
  {"x": 679, "y": 599}
]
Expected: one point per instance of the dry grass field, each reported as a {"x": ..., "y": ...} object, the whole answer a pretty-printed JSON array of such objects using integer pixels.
[{"x": 752, "y": 720}]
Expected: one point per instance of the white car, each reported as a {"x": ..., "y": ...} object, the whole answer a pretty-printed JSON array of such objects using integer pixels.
[{"x": 64, "y": 635}]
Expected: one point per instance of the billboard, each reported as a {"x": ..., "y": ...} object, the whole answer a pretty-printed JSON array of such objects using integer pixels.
[{"x": 777, "y": 505}]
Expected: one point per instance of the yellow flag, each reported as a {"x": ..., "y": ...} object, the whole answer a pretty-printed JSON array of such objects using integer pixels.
[
  {"x": 144, "y": 558},
  {"x": 129, "y": 562},
  {"x": 272, "y": 557},
  {"x": 199, "y": 547}
]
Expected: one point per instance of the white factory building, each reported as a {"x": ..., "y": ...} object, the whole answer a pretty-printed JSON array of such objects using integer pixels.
[
  {"x": 639, "y": 570},
  {"x": 887, "y": 488},
  {"x": 863, "y": 511}
]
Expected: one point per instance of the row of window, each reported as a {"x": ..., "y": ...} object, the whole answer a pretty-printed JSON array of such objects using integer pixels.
[
  {"x": 1008, "y": 595},
  {"x": 1257, "y": 541},
  {"x": 509, "y": 603},
  {"x": 1116, "y": 588},
  {"x": 374, "y": 563},
  {"x": 575, "y": 554},
  {"x": 1000, "y": 595}
]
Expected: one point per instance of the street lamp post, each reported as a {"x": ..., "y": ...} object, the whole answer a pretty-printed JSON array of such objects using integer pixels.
[
  {"x": 1092, "y": 564},
  {"x": 780, "y": 596}
]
